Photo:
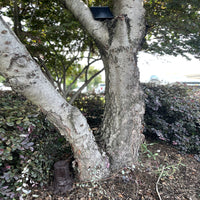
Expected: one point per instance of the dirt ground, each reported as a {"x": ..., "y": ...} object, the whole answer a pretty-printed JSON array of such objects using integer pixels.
[{"x": 162, "y": 173}]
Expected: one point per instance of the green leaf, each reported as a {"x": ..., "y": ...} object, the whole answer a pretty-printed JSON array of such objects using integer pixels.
[
  {"x": 8, "y": 142},
  {"x": 10, "y": 123},
  {"x": 2, "y": 130},
  {"x": 10, "y": 158},
  {"x": 8, "y": 149},
  {"x": 18, "y": 122}
]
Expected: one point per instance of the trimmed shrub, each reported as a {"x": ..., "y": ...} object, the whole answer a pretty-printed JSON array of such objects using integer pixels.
[
  {"x": 173, "y": 115},
  {"x": 29, "y": 146}
]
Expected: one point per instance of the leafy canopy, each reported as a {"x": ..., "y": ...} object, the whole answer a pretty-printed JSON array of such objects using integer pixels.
[
  {"x": 54, "y": 38},
  {"x": 173, "y": 26},
  {"x": 58, "y": 42}
]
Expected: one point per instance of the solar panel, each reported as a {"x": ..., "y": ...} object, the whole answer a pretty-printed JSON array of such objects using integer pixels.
[{"x": 101, "y": 13}]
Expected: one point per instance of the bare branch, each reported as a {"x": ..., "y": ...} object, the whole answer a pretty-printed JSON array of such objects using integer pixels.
[
  {"x": 46, "y": 71},
  {"x": 84, "y": 85},
  {"x": 85, "y": 68}
]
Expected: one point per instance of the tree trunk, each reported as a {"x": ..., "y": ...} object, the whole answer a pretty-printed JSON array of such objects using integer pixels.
[
  {"x": 118, "y": 41},
  {"x": 25, "y": 77},
  {"x": 122, "y": 124}
]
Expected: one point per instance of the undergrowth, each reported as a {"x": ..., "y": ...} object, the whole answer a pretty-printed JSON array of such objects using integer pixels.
[{"x": 29, "y": 146}]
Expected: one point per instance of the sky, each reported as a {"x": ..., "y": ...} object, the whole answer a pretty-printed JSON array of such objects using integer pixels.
[{"x": 167, "y": 68}]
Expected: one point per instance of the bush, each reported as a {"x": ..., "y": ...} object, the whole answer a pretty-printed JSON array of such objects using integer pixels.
[
  {"x": 92, "y": 106},
  {"x": 173, "y": 115},
  {"x": 29, "y": 146}
]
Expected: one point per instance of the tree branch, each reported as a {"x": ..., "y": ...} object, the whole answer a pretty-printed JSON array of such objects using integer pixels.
[
  {"x": 46, "y": 71},
  {"x": 95, "y": 28},
  {"x": 83, "y": 86},
  {"x": 26, "y": 77},
  {"x": 76, "y": 78},
  {"x": 134, "y": 26}
]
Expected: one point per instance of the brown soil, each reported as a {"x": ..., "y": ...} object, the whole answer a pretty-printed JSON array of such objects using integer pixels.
[{"x": 161, "y": 173}]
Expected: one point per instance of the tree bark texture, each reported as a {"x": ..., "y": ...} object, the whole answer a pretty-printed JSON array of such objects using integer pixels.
[
  {"x": 122, "y": 125},
  {"x": 118, "y": 41},
  {"x": 25, "y": 77}
]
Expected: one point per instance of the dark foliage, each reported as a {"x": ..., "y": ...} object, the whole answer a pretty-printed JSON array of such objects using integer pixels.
[
  {"x": 92, "y": 106},
  {"x": 173, "y": 115}
]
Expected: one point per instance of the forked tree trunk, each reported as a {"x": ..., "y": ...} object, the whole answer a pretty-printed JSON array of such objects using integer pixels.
[{"x": 118, "y": 41}]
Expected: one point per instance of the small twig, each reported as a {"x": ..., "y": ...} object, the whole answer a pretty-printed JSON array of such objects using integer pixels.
[
  {"x": 137, "y": 187},
  {"x": 158, "y": 182}
]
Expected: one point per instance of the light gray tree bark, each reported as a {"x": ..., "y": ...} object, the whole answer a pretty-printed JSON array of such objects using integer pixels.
[
  {"x": 25, "y": 77},
  {"x": 118, "y": 41}
]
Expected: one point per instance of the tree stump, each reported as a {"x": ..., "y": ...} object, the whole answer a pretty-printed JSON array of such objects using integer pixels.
[{"x": 63, "y": 180}]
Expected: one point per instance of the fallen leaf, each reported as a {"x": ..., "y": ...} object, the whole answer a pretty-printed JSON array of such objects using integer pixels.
[{"x": 120, "y": 195}]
